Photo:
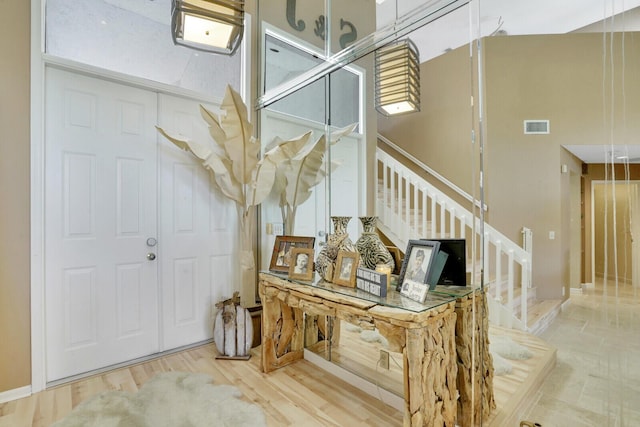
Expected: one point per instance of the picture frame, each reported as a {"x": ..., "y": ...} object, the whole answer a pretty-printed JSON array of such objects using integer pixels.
[
  {"x": 301, "y": 266},
  {"x": 346, "y": 266},
  {"x": 418, "y": 259},
  {"x": 282, "y": 247},
  {"x": 416, "y": 291}
]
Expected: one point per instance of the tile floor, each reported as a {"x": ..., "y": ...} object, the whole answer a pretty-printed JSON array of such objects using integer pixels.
[{"x": 596, "y": 381}]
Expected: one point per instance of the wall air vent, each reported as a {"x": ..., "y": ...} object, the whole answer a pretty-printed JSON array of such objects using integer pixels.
[{"x": 536, "y": 127}]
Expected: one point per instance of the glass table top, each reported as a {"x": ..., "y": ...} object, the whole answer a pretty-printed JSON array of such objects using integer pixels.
[{"x": 441, "y": 294}]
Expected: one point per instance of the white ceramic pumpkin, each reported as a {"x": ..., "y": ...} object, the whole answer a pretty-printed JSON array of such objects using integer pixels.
[{"x": 233, "y": 331}]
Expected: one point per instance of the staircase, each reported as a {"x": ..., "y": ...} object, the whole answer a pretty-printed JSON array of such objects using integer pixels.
[{"x": 409, "y": 207}]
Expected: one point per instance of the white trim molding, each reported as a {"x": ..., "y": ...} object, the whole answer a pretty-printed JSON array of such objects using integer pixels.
[{"x": 16, "y": 393}]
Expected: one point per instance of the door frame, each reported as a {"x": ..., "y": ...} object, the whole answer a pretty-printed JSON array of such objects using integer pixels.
[{"x": 39, "y": 62}]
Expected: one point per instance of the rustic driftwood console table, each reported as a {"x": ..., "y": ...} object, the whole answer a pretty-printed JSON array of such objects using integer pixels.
[{"x": 425, "y": 334}]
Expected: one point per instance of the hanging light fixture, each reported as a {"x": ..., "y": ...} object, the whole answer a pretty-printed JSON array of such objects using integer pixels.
[
  {"x": 208, "y": 25},
  {"x": 397, "y": 78}
]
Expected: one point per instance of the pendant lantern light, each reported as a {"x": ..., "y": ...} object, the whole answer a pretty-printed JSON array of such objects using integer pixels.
[
  {"x": 208, "y": 25},
  {"x": 397, "y": 71}
]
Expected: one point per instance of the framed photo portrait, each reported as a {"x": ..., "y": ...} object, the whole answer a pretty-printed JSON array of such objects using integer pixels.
[
  {"x": 301, "y": 267},
  {"x": 417, "y": 261},
  {"x": 281, "y": 256},
  {"x": 346, "y": 266}
]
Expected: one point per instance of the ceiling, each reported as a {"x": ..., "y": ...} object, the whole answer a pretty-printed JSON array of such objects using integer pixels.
[
  {"x": 606, "y": 153},
  {"x": 511, "y": 17}
]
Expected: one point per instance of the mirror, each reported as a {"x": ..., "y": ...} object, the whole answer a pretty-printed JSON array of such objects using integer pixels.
[
  {"x": 554, "y": 100},
  {"x": 343, "y": 96}
]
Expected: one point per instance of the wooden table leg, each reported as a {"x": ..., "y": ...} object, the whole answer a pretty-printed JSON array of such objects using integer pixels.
[
  {"x": 282, "y": 329},
  {"x": 430, "y": 373},
  {"x": 475, "y": 364}
]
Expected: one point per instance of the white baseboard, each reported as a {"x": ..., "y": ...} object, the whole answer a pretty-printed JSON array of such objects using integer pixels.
[
  {"x": 575, "y": 291},
  {"x": 16, "y": 393},
  {"x": 385, "y": 396},
  {"x": 586, "y": 286}
]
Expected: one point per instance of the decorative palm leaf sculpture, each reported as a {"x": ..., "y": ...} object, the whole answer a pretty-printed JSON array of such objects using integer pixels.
[
  {"x": 302, "y": 171},
  {"x": 237, "y": 170},
  {"x": 290, "y": 168}
]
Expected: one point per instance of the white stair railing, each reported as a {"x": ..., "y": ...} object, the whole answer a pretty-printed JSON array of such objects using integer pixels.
[{"x": 409, "y": 207}]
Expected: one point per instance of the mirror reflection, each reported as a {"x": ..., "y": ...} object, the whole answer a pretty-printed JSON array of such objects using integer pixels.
[{"x": 555, "y": 102}]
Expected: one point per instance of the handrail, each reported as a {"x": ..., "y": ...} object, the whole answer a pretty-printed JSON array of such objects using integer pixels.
[
  {"x": 408, "y": 205},
  {"x": 435, "y": 174}
]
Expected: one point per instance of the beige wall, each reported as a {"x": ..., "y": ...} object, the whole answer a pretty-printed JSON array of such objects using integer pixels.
[
  {"x": 560, "y": 78},
  {"x": 440, "y": 134},
  {"x": 15, "y": 327}
]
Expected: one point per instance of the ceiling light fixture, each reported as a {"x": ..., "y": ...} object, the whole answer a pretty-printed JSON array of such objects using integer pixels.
[
  {"x": 208, "y": 25},
  {"x": 397, "y": 71}
]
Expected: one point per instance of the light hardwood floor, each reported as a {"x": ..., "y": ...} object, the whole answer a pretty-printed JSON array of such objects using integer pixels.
[{"x": 299, "y": 394}]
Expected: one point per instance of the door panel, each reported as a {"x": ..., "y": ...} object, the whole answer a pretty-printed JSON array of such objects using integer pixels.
[
  {"x": 198, "y": 232},
  {"x": 100, "y": 198}
]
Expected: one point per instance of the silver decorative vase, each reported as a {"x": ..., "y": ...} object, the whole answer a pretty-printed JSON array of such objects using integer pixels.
[
  {"x": 339, "y": 240},
  {"x": 373, "y": 251}
]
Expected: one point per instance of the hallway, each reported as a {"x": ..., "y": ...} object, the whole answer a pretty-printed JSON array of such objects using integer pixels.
[{"x": 596, "y": 381}]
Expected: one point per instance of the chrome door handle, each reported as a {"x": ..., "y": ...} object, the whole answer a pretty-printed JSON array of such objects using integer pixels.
[{"x": 151, "y": 256}]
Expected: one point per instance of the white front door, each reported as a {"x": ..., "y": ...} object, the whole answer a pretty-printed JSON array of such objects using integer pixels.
[
  {"x": 198, "y": 232},
  {"x": 138, "y": 247},
  {"x": 100, "y": 210}
]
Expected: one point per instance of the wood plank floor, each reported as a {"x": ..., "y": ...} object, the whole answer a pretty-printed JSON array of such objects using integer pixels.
[{"x": 299, "y": 394}]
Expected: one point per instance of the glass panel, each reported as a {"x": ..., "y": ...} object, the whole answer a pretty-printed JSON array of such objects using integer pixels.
[
  {"x": 134, "y": 38},
  {"x": 307, "y": 20},
  {"x": 436, "y": 142},
  {"x": 574, "y": 188},
  {"x": 393, "y": 299},
  {"x": 285, "y": 59}
]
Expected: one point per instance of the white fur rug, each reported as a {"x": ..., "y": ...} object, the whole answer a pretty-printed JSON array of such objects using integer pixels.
[
  {"x": 169, "y": 399},
  {"x": 503, "y": 348},
  {"x": 501, "y": 366},
  {"x": 368, "y": 336},
  {"x": 506, "y": 347}
]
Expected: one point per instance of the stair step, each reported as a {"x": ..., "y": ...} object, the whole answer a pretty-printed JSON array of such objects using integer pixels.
[
  {"x": 541, "y": 314},
  {"x": 517, "y": 296}
]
